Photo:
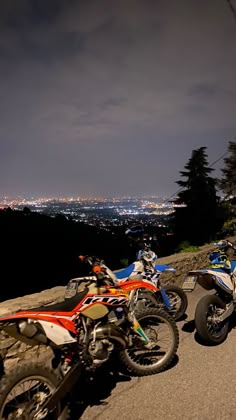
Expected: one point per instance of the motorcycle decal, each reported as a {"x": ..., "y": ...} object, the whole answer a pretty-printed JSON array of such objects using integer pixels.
[
  {"x": 28, "y": 314},
  {"x": 220, "y": 281},
  {"x": 107, "y": 300},
  {"x": 137, "y": 327}
]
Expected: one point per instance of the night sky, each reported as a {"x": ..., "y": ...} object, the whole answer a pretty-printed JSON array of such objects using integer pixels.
[{"x": 110, "y": 97}]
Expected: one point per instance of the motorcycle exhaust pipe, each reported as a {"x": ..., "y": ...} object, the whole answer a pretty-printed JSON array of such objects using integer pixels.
[
  {"x": 29, "y": 330},
  {"x": 113, "y": 332}
]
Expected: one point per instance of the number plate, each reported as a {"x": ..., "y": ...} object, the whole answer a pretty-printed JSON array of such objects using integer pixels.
[
  {"x": 77, "y": 284},
  {"x": 71, "y": 289},
  {"x": 189, "y": 283}
]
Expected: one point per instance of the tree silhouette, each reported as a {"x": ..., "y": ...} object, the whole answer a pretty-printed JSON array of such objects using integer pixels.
[
  {"x": 200, "y": 218},
  {"x": 228, "y": 183}
]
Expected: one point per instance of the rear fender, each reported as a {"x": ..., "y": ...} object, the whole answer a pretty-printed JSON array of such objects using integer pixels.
[
  {"x": 45, "y": 330},
  {"x": 209, "y": 279},
  {"x": 12, "y": 329},
  {"x": 204, "y": 278}
]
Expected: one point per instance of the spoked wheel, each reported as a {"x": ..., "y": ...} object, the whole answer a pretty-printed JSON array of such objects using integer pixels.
[
  {"x": 163, "y": 334},
  {"x": 24, "y": 390},
  {"x": 178, "y": 301},
  {"x": 207, "y": 322}
]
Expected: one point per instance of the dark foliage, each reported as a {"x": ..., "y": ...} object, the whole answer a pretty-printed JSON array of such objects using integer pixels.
[
  {"x": 228, "y": 181},
  {"x": 202, "y": 215},
  {"x": 40, "y": 252}
]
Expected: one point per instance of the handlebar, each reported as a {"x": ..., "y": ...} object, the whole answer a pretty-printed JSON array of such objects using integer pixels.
[
  {"x": 225, "y": 243},
  {"x": 91, "y": 260},
  {"x": 103, "y": 274}
]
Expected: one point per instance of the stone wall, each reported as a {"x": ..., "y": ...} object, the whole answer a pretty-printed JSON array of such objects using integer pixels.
[{"x": 13, "y": 351}]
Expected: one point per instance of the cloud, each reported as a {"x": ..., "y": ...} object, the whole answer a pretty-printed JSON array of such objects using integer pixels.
[
  {"x": 203, "y": 90},
  {"x": 115, "y": 77}
]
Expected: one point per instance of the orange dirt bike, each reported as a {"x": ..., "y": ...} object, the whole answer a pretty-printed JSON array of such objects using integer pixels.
[{"x": 83, "y": 332}]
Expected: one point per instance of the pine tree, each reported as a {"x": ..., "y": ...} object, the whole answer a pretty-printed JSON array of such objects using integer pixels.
[
  {"x": 199, "y": 220},
  {"x": 228, "y": 183}
]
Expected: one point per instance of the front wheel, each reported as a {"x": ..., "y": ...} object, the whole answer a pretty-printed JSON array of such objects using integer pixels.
[
  {"x": 163, "y": 334},
  {"x": 178, "y": 301},
  {"x": 145, "y": 300},
  {"x": 24, "y": 390},
  {"x": 209, "y": 327}
]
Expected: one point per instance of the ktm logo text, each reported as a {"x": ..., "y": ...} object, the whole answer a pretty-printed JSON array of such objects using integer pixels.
[{"x": 105, "y": 299}]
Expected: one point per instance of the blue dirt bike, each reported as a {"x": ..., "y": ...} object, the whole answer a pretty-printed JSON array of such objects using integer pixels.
[{"x": 170, "y": 297}]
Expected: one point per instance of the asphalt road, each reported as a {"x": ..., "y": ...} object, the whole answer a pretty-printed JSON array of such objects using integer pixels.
[{"x": 200, "y": 385}]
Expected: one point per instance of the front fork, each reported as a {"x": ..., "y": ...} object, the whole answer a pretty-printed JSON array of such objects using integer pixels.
[
  {"x": 162, "y": 292},
  {"x": 165, "y": 298},
  {"x": 136, "y": 327}
]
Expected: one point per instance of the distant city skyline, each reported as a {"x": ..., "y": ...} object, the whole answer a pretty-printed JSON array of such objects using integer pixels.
[
  {"x": 109, "y": 99},
  {"x": 103, "y": 212},
  {"x": 67, "y": 199}
]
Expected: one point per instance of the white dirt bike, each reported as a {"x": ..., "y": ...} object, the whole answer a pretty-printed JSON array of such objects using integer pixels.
[
  {"x": 214, "y": 311},
  {"x": 171, "y": 298}
]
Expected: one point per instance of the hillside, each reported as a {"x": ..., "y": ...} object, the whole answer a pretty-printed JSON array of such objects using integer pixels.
[{"x": 40, "y": 252}]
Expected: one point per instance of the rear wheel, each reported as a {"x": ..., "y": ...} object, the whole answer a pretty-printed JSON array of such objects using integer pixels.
[
  {"x": 207, "y": 322},
  {"x": 163, "y": 334},
  {"x": 24, "y": 390}
]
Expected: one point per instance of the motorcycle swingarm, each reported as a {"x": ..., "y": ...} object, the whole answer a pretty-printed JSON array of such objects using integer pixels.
[
  {"x": 227, "y": 312},
  {"x": 62, "y": 389}
]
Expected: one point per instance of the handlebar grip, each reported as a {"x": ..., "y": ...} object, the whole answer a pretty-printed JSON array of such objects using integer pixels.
[{"x": 89, "y": 259}]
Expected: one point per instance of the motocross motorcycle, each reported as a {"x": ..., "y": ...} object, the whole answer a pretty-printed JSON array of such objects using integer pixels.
[
  {"x": 170, "y": 298},
  {"x": 213, "y": 311},
  {"x": 83, "y": 332}
]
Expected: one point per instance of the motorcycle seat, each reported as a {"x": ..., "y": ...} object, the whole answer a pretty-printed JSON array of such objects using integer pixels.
[
  {"x": 66, "y": 305},
  {"x": 164, "y": 267}
]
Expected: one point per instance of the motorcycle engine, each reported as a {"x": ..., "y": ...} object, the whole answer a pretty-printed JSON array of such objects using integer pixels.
[{"x": 100, "y": 350}]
